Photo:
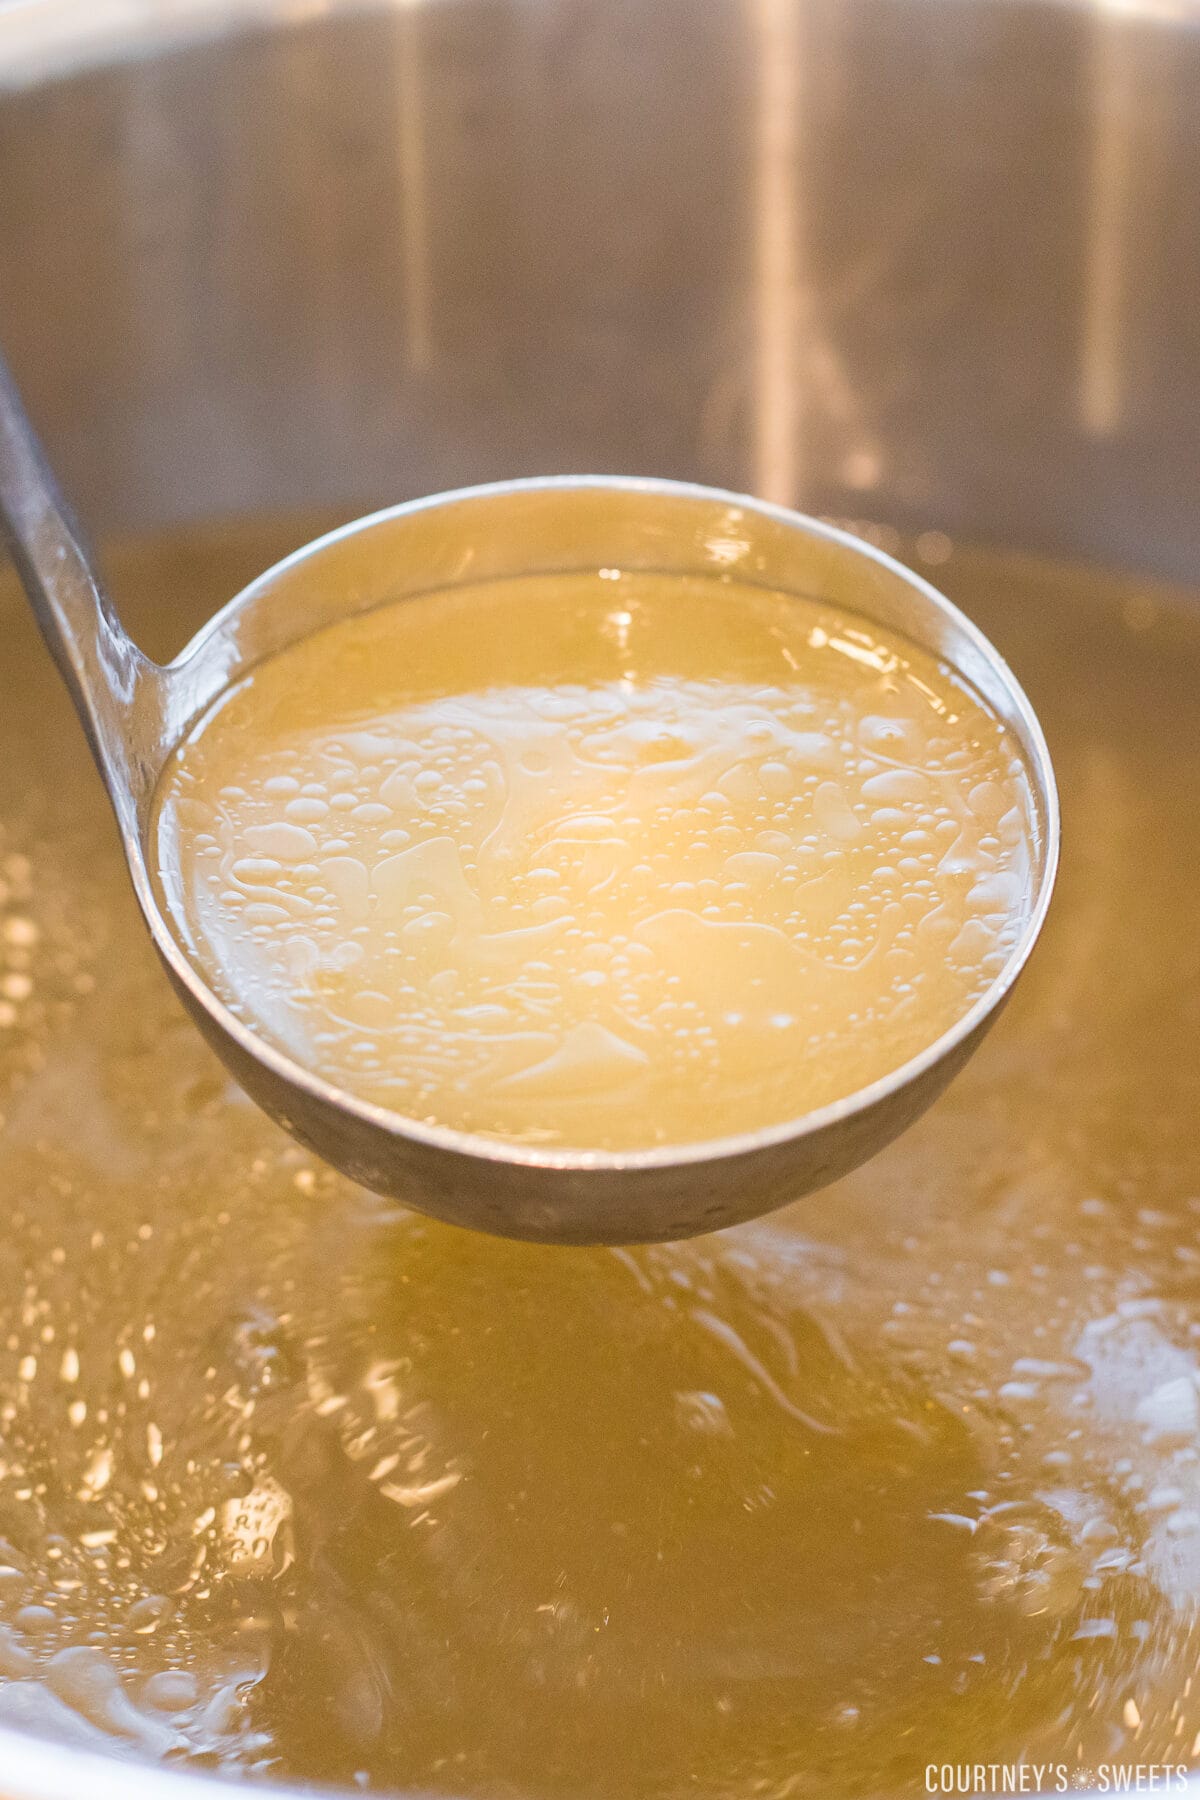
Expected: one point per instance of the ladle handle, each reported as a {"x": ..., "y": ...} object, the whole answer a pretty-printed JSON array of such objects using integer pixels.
[{"x": 115, "y": 688}]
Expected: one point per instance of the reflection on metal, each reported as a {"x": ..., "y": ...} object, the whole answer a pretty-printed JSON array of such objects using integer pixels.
[
  {"x": 1107, "y": 247},
  {"x": 778, "y": 299},
  {"x": 1164, "y": 12},
  {"x": 869, "y": 255},
  {"x": 414, "y": 193},
  {"x": 803, "y": 387},
  {"x": 45, "y": 37}
]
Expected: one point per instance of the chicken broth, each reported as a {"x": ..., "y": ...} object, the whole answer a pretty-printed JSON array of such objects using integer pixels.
[
  {"x": 601, "y": 860},
  {"x": 298, "y": 1486}
]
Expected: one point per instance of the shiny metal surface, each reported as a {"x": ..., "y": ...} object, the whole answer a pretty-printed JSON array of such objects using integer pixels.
[
  {"x": 919, "y": 261},
  {"x": 135, "y": 711},
  {"x": 903, "y": 259}
]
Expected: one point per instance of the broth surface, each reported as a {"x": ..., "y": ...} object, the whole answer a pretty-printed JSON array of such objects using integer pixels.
[
  {"x": 297, "y": 1486},
  {"x": 604, "y": 860}
]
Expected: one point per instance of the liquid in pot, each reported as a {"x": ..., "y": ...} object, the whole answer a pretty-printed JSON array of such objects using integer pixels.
[{"x": 295, "y": 1485}]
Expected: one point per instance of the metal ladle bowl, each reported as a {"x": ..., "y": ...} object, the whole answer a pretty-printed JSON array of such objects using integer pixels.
[{"x": 135, "y": 712}]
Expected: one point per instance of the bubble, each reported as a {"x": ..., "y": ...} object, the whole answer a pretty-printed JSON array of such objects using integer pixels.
[{"x": 306, "y": 810}]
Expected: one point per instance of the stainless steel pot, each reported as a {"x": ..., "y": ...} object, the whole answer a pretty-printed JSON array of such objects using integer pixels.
[{"x": 922, "y": 261}]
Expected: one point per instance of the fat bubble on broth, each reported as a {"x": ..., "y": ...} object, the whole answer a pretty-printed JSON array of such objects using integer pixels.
[{"x": 600, "y": 860}]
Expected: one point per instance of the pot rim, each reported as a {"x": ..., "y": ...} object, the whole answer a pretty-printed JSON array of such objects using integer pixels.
[{"x": 42, "y": 40}]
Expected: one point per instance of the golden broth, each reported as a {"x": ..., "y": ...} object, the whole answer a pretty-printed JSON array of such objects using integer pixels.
[
  {"x": 603, "y": 860},
  {"x": 294, "y": 1485}
]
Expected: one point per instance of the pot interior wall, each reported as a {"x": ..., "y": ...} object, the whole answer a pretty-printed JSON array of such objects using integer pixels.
[{"x": 908, "y": 260}]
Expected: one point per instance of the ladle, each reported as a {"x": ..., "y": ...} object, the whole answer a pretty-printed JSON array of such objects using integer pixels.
[{"x": 135, "y": 711}]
